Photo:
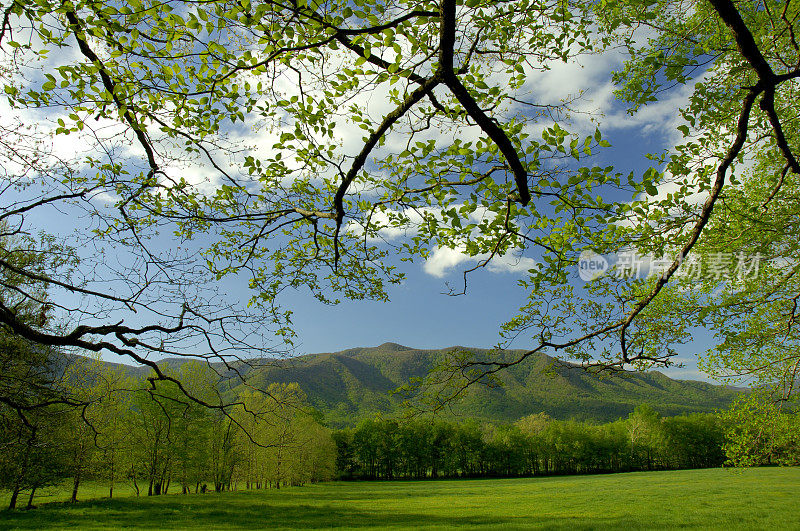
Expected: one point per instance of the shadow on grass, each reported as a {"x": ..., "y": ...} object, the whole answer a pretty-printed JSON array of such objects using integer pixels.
[
  {"x": 215, "y": 513},
  {"x": 143, "y": 515}
]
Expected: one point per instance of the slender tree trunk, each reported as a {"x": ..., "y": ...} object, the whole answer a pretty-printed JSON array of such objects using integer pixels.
[
  {"x": 30, "y": 498},
  {"x": 18, "y": 483},
  {"x": 12, "y": 504},
  {"x": 111, "y": 478},
  {"x": 75, "y": 485}
]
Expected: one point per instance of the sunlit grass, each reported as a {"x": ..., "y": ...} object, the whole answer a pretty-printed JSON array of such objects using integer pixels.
[{"x": 754, "y": 498}]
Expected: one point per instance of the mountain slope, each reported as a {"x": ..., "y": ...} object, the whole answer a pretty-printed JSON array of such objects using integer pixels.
[{"x": 356, "y": 383}]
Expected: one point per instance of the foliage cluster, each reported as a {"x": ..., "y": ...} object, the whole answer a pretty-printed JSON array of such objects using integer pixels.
[
  {"x": 535, "y": 445},
  {"x": 147, "y": 433},
  {"x": 760, "y": 431}
]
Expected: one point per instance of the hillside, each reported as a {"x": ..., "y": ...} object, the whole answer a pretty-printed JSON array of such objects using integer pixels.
[{"x": 356, "y": 383}]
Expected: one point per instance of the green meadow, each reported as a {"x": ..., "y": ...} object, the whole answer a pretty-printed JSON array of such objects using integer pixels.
[{"x": 763, "y": 498}]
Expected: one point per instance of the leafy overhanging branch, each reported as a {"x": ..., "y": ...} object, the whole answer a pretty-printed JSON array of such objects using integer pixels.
[{"x": 473, "y": 372}]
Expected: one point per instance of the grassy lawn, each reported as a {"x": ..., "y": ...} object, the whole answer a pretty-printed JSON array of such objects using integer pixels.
[{"x": 737, "y": 499}]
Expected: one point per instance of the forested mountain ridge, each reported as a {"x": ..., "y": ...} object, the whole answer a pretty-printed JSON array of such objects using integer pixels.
[{"x": 352, "y": 384}]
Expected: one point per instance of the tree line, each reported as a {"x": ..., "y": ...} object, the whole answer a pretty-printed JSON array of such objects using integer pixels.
[
  {"x": 534, "y": 445},
  {"x": 145, "y": 432}
]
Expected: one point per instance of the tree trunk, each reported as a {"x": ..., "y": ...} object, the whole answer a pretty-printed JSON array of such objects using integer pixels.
[
  {"x": 14, "y": 494},
  {"x": 17, "y": 484},
  {"x": 166, "y": 476},
  {"x": 75, "y": 485},
  {"x": 30, "y": 498},
  {"x": 111, "y": 478}
]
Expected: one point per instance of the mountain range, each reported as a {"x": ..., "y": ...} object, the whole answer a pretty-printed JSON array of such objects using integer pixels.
[{"x": 353, "y": 384}]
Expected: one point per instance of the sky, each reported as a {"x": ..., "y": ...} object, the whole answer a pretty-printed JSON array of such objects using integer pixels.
[{"x": 420, "y": 313}]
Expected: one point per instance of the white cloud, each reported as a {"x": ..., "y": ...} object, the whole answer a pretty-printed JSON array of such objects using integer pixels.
[
  {"x": 585, "y": 83},
  {"x": 444, "y": 260},
  {"x": 660, "y": 117},
  {"x": 589, "y": 75},
  {"x": 512, "y": 262},
  {"x": 395, "y": 225}
]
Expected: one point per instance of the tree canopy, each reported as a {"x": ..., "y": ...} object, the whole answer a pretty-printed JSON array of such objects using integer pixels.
[{"x": 233, "y": 127}]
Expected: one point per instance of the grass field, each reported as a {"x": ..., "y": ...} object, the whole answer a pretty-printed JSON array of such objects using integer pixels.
[{"x": 765, "y": 498}]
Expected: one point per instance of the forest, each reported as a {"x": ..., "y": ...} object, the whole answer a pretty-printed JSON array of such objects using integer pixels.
[{"x": 534, "y": 445}]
